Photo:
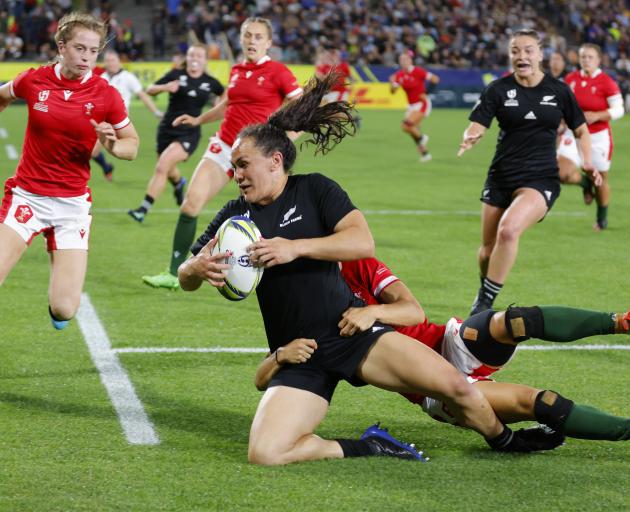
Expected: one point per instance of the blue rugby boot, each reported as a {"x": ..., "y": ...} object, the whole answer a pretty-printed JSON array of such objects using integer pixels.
[{"x": 382, "y": 443}]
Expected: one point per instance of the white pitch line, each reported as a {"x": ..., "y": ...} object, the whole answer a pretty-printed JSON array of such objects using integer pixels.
[
  {"x": 11, "y": 152},
  {"x": 131, "y": 414},
  {"x": 382, "y": 213},
  {"x": 3, "y": 133},
  {"x": 245, "y": 350},
  {"x": 213, "y": 350}
]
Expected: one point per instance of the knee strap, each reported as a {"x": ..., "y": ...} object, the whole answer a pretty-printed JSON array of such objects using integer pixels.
[
  {"x": 475, "y": 333},
  {"x": 524, "y": 323},
  {"x": 552, "y": 409}
]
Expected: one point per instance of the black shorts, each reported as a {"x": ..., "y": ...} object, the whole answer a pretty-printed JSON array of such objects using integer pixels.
[
  {"x": 336, "y": 358},
  {"x": 501, "y": 196},
  {"x": 189, "y": 139}
]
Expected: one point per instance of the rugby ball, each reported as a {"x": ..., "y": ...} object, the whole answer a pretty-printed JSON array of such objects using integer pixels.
[{"x": 234, "y": 236}]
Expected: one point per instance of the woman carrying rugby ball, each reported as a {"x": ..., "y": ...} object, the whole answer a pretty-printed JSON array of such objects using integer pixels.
[{"x": 309, "y": 224}]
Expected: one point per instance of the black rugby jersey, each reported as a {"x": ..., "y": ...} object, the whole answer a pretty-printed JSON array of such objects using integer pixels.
[
  {"x": 304, "y": 298},
  {"x": 528, "y": 120},
  {"x": 190, "y": 98}
]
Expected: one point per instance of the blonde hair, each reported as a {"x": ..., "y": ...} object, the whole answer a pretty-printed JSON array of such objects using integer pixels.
[
  {"x": 67, "y": 24},
  {"x": 592, "y": 46},
  {"x": 262, "y": 21}
]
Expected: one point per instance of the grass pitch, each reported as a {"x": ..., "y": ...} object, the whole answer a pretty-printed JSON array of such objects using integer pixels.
[{"x": 61, "y": 444}]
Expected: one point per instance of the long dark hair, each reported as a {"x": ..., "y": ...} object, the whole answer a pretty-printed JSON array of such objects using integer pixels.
[{"x": 328, "y": 124}]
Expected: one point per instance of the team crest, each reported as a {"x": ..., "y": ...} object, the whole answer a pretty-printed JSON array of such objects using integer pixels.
[
  {"x": 43, "y": 95},
  {"x": 23, "y": 213},
  {"x": 248, "y": 74},
  {"x": 260, "y": 80},
  {"x": 88, "y": 108},
  {"x": 511, "y": 101},
  {"x": 215, "y": 148}
]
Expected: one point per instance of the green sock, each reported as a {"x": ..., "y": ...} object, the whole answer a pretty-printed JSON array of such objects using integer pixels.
[
  {"x": 602, "y": 213},
  {"x": 570, "y": 324},
  {"x": 585, "y": 183},
  {"x": 182, "y": 240},
  {"x": 585, "y": 422}
]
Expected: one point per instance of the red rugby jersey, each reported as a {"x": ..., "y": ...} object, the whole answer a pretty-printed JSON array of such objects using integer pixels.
[
  {"x": 412, "y": 81},
  {"x": 592, "y": 93},
  {"x": 59, "y": 136},
  {"x": 255, "y": 91}
]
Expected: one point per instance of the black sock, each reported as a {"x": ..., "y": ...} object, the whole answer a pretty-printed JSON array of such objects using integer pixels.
[
  {"x": 355, "y": 448},
  {"x": 147, "y": 203},
  {"x": 585, "y": 182},
  {"x": 602, "y": 214},
  {"x": 489, "y": 290},
  {"x": 100, "y": 160}
]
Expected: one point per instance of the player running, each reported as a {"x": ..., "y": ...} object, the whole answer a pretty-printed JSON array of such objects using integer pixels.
[
  {"x": 69, "y": 109},
  {"x": 189, "y": 90},
  {"x": 257, "y": 87},
  {"x": 598, "y": 95},
  {"x": 412, "y": 79},
  {"x": 523, "y": 181}
]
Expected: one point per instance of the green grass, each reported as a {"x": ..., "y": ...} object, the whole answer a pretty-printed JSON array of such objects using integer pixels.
[{"x": 61, "y": 444}]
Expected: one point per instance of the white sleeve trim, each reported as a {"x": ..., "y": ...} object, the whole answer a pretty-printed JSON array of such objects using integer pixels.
[
  {"x": 11, "y": 91},
  {"x": 384, "y": 284},
  {"x": 616, "y": 107},
  {"x": 295, "y": 92},
  {"x": 122, "y": 124}
]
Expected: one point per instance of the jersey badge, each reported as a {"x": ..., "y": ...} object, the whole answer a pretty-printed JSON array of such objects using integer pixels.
[
  {"x": 82, "y": 232},
  {"x": 548, "y": 194},
  {"x": 583, "y": 83},
  {"x": 23, "y": 213},
  {"x": 205, "y": 86},
  {"x": 215, "y": 148},
  {"x": 547, "y": 100},
  {"x": 248, "y": 74},
  {"x": 186, "y": 145},
  {"x": 286, "y": 219},
  {"x": 66, "y": 95},
  {"x": 530, "y": 115},
  {"x": 183, "y": 80},
  {"x": 192, "y": 93},
  {"x": 260, "y": 80},
  {"x": 377, "y": 328},
  {"x": 593, "y": 89},
  {"x": 41, "y": 105},
  {"x": 88, "y": 108},
  {"x": 511, "y": 101}
]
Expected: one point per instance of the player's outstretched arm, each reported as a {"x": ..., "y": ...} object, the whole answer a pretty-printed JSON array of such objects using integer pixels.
[
  {"x": 5, "y": 96},
  {"x": 146, "y": 99},
  {"x": 399, "y": 307},
  {"x": 214, "y": 114},
  {"x": 472, "y": 135},
  {"x": 298, "y": 351}
]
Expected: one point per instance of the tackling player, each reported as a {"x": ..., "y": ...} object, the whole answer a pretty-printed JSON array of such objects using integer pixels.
[
  {"x": 69, "y": 109},
  {"x": 257, "y": 87},
  {"x": 599, "y": 97},
  {"x": 189, "y": 90},
  {"x": 477, "y": 347},
  {"x": 309, "y": 223},
  {"x": 412, "y": 80}
]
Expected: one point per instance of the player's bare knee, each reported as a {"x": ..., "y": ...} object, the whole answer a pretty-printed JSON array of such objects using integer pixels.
[
  {"x": 508, "y": 233},
  {"x": 263, "y": 455}
]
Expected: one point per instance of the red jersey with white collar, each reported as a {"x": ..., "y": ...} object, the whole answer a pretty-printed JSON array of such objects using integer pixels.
[
  {"x": 255, "y": 91},
  {"x": 592, "y": 93},
  {"x": 59, "y": 136},
  {"x": 342, "y": 69},
  {"x": 412, "y": 81},
  {"x": 367, "y": 278}
]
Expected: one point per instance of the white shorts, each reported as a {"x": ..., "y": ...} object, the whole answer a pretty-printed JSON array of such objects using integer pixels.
[
  {"x": 333, "y": 96},
  {"x": 423, "y": 106},
  {"x": 601, "y": 149},
  {"x": 220, "y": 153},
  {"x": 455, "y": 352},
  {"x": 64, "y": 221}
]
